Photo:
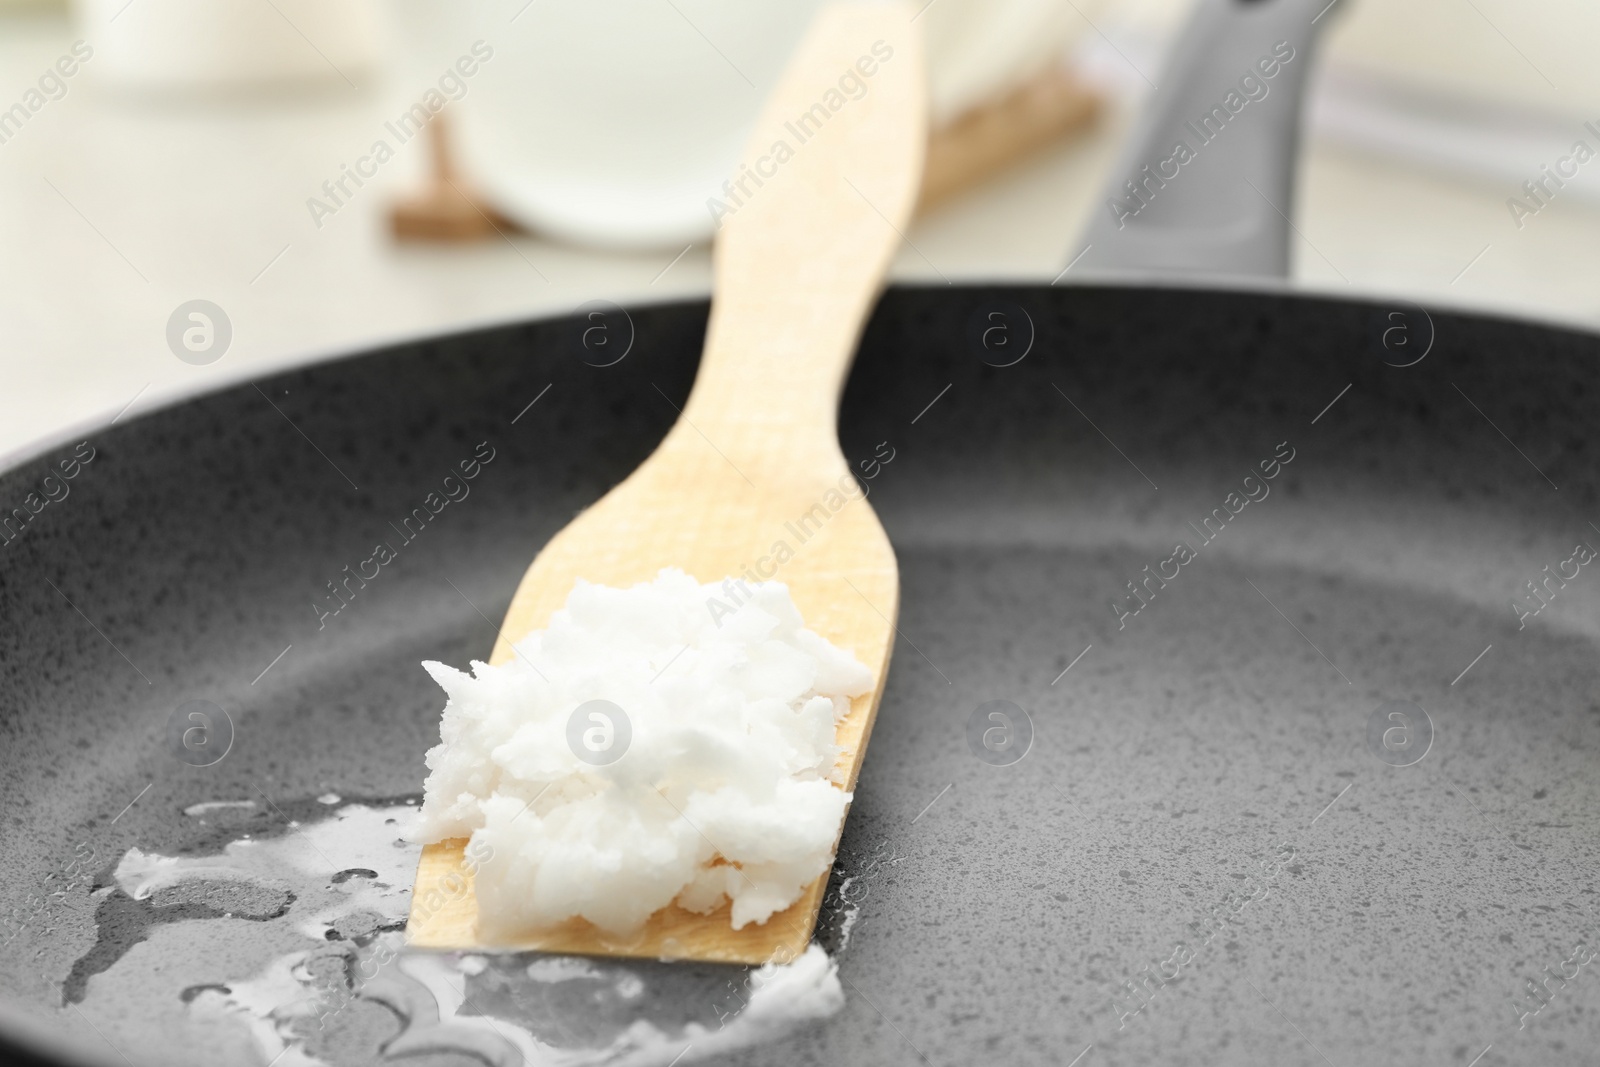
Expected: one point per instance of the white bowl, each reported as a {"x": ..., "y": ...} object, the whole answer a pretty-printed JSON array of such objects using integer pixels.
[{"x": 613, "y": 122}]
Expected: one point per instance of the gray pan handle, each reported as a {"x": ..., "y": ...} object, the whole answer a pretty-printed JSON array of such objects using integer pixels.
[{"x": 1206, "y": 182}]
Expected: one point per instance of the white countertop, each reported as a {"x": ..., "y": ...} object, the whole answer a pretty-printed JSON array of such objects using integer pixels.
[{"x": 112, "y": 213}]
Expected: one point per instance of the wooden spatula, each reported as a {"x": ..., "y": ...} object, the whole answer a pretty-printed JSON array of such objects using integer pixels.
[{"x": 815, "y": 213}]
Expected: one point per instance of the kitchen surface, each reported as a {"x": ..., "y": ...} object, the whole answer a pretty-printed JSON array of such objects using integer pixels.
[{"x": 121, "y": 202}]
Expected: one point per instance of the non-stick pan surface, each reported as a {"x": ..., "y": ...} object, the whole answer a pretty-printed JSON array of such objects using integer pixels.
[{"x": 1220, "y": 847}]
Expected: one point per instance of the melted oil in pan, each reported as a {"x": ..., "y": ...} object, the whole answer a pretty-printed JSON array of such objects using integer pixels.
[{"x": 290, "y": 950}]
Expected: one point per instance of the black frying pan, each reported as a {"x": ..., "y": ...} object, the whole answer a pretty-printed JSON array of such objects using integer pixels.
[
  {"x": 1172, "y": 769},
  {"x": 1327, "y": 795}
]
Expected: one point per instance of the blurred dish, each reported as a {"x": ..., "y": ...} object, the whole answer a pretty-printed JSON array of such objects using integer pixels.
[
  {"x": 229, "y": 44},
  {"x": 613, "y": 123}
]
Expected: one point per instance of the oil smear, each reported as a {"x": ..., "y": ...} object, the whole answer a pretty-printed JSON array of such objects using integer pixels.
[{"x": 355, "y": 993}]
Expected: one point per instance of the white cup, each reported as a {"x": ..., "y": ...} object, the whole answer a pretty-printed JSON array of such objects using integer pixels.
[{"x": 179, "y": 46}]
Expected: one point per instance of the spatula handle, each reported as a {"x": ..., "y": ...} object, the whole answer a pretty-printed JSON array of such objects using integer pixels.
[{"x": 807, "y": 225}]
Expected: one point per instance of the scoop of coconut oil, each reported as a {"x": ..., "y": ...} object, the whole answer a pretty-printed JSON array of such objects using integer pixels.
[{"x": 659, "y": 744}]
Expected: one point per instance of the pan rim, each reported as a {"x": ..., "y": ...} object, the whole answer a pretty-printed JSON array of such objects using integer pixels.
[{"x": 178, "y": 394}]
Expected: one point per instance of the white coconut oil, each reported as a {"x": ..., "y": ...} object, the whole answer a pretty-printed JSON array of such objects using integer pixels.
[{"x": 645, "y": 750}]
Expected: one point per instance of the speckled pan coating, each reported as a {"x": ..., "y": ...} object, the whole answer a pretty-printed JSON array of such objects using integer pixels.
[{"x": 1222, "y": 733}]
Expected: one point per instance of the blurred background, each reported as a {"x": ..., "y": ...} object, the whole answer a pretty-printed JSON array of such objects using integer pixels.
[{"x": 333, "y": 174}]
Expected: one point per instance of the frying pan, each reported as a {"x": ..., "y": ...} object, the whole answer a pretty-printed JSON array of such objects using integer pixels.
[{"x": 1322, "y": 790}]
